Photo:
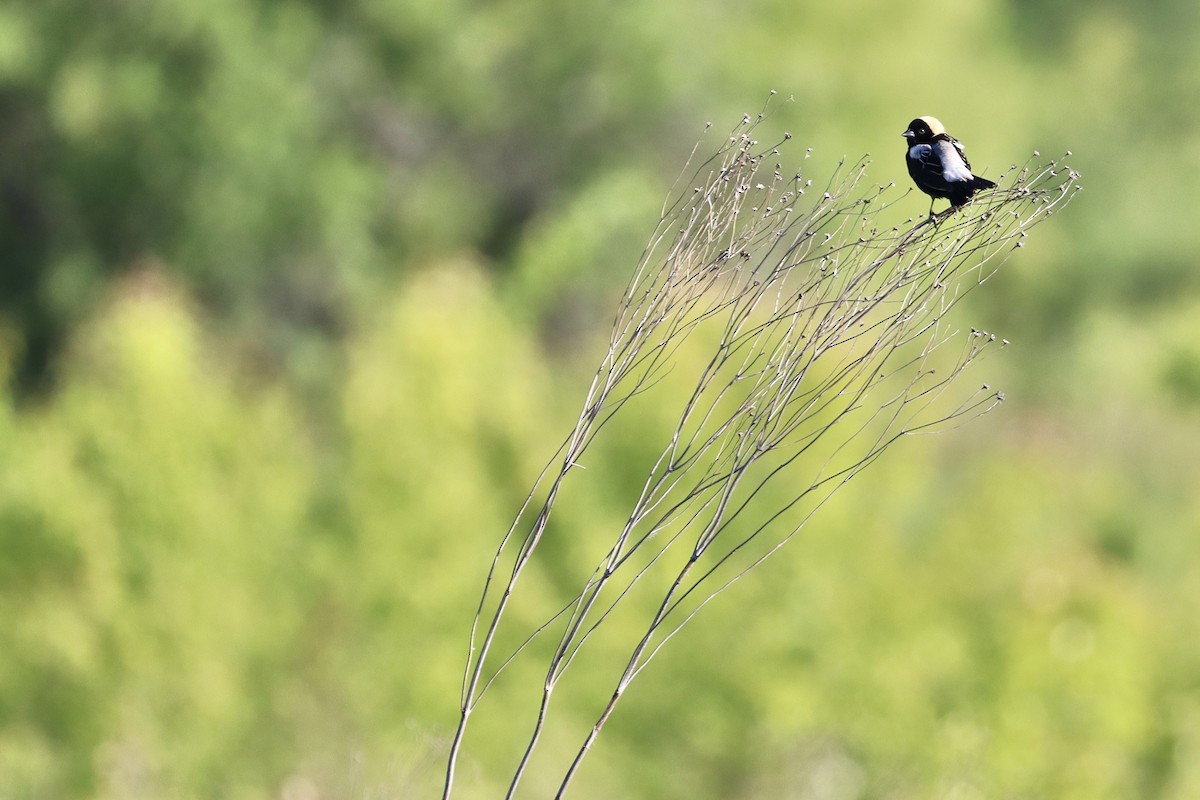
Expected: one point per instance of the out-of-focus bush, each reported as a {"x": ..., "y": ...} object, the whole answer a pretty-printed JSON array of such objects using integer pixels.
[{"x": 202, "y": 598}]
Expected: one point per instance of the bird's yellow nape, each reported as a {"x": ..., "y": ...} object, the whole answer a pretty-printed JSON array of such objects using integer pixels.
[{"x": 935, "y": 125}]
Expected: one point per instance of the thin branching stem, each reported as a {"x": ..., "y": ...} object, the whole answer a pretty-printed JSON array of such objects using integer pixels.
[{"x": 825, "y": 328}]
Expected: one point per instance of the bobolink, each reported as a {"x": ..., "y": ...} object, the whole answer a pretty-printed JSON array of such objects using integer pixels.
[{"x": 938, "y": 164}]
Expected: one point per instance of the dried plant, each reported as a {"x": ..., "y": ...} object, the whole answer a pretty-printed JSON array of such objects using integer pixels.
[{"x": 826, "y": 332}]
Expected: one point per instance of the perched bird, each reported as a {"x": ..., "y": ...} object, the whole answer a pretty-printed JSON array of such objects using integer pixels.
[{"x": 938, "y": 164}]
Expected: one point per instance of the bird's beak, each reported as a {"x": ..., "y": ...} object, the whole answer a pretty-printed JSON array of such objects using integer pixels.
[{"x": 907, "y": 134}]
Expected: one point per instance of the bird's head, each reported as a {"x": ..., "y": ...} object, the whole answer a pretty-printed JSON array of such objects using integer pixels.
[{"x": 923, "y": 129}]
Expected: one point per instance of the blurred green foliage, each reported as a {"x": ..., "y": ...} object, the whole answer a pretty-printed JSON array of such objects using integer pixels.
[{"x": 296, "y": 298}]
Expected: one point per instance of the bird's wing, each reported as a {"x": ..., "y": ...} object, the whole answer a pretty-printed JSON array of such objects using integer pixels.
[
  {"x": 954, "y": 162},
  {"x": 961, "y": 153}
]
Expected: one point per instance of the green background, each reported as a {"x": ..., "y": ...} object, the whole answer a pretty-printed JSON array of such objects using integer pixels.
[{"x": 297, "y": 297}]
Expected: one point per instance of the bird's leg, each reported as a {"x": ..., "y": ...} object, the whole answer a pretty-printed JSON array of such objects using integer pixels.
[{"x": 931, "y": 202}]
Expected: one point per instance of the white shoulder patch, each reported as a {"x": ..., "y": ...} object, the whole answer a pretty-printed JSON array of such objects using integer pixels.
[{"x": 919, "y": 151}]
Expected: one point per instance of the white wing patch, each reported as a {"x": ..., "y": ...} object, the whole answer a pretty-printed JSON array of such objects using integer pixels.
[{"x": 954, "y": 169}]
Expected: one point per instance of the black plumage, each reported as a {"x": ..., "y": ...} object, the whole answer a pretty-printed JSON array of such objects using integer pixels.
[{"x": 938, "y": 164}]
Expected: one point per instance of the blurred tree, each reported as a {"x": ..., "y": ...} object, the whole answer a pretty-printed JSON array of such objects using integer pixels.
[{"x": 281, "y": 157}]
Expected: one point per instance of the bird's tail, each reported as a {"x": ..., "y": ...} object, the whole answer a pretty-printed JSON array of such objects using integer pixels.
[{"x": 967, "y": 190}]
